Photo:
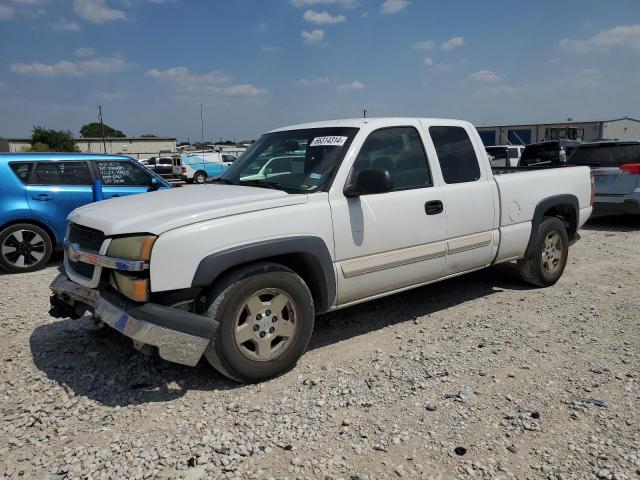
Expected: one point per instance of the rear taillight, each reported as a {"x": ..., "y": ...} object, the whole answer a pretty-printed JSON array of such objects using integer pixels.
[
  {"x": 630, "y": 168},
  {"x": 593, "y": 189},
  {"x": 183, "y": 169}
]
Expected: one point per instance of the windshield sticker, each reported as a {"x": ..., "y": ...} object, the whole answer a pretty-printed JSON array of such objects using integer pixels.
[
  {"x": 328, "y": 141},
  {"x": 315, "y": 176}
]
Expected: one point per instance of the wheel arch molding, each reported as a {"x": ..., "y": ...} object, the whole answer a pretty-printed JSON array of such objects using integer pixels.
[
  {"x": 308, "y": 256},
  {"x": 565, "y": 206}
]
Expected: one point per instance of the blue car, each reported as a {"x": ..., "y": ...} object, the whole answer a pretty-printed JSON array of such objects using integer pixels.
[{"x": 38, "y": 191}]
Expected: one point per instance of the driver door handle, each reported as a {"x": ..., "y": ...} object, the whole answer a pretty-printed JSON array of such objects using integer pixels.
[
  {"x": 433, "y": 207},
  {"x": 43, "y": 197}
]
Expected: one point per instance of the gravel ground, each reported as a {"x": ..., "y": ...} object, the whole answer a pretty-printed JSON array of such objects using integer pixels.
[{"x": 479, "y": 376}]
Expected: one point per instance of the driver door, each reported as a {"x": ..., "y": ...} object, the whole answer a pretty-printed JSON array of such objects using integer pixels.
[
  {"x": 121, "y": 178},
  {"x": 393, "y": 240}
]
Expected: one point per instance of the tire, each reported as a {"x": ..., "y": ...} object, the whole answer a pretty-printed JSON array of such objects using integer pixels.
[
  {"x": 24, "y": 247},
  {"x": 547, "y": 256},
  {"x": 233, "y": 304},
  {"x": 199, "y": 178}
]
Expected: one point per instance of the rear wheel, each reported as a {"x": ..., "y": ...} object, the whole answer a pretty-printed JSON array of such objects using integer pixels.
[
  {"x": 24, "y": 247},
  {"x": 199, "y": 178},
  {"x": 545, "y": 262},
  {"x": 266, "y": 317}
]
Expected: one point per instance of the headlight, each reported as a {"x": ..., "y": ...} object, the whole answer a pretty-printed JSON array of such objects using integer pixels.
[
  {"x": 134, "y": 247},
  {"x": 132, "y": 287}
]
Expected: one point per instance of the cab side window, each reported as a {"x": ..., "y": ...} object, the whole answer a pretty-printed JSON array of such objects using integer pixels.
[
  {"x": 400, "y": 151},
  {"x": 61, "y": 173},
  {"x": 457, "y": 158}
]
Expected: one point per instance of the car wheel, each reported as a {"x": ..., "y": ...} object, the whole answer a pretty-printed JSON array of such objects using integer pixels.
[
  {"x": 24, "y": 248},
  {"x": 266, "y": 316},
  {"x": 200, "y": 178},
  {"x": 545, "y": 262}
]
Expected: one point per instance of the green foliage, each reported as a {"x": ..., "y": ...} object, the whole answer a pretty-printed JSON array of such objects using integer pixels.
[
  {"x": 45, "y": 140},
  {"x": 148, "y": 135},
  {"x": 94, "y": 130}
]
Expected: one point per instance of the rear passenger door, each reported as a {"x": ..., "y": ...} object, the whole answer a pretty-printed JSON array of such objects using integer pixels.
[
  {"x": 58, "y": 187},
  {"x": 121, "y": 177},
  {"x": 468, "y": 198},
  {"x": 392, "y": 240}
]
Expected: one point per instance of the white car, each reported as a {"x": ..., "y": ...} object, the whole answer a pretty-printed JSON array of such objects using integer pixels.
[{"x": 379, "y": 206}]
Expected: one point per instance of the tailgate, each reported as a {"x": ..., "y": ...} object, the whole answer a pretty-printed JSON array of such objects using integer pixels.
[{"x": 611, "y": 181}]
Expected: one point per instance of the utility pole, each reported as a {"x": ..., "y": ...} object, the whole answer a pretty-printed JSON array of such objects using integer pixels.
[
  {"x": 104, "y": 143},
  {"x": 364, "y": 113},
  {"x": 201, "y": 124}
]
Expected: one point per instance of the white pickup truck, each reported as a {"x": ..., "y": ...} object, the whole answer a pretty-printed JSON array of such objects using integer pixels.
[{"x": 237, "y": 270}]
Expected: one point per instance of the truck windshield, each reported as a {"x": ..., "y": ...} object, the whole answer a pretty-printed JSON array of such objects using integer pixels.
[
  {"x": 296, "y": 161},
  {"x": 605, "y": 155}
]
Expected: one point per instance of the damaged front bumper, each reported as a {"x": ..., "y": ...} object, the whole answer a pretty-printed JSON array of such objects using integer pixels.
[{"x": 179, "y": 336}]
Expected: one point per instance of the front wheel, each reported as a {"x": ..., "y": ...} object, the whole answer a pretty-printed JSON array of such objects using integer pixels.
[
  {"x": 24, "y": 248},
  {"x": 545, "y": 262},
  {"x": 199, "y": 178},
  {"x": 266, "y": 316}
]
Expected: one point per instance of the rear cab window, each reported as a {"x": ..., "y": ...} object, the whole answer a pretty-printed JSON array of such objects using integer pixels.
[
  {"x": 456, "y": 155},
  {"x": 22, "y": 170},
  {"x": 121, "y": 173},
  {"x": 61, "y": 173}
]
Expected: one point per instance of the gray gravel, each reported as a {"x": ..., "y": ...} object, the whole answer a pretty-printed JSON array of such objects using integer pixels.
[{"x": 477, "y": 377}]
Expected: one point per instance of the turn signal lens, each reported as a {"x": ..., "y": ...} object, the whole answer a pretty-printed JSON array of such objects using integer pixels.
[
  {"x": 135, "y": 247},
  {"x": 137, "y": 289},
  {"x": 630, "y": 168}
]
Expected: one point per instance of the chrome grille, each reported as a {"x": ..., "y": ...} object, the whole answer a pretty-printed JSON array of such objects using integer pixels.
[{"x": 87, "y": 238}]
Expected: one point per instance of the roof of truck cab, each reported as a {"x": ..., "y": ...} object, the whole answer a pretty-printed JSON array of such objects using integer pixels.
[
  {"x": 373, "y": 122},
  {"x": 35, "y": 157}
]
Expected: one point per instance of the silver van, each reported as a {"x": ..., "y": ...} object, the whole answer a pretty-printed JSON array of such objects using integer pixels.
[{"x": 616, "y": 170}]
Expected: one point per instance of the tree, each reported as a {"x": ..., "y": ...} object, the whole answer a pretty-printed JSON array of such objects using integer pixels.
[
  {"x": 94, "y": 130},
  {"x": 45, "y": 140},
  {"x": 148, "y": 135}
]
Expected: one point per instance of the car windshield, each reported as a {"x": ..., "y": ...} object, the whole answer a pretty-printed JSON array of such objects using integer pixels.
[
  {"x": 541, "y": 153},
  {"x": 610, "y": 155},
  {"x": 296, "y": 161},
  {"x": 497, "y": 152}
]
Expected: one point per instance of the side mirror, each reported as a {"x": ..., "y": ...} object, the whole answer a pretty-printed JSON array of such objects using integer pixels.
[
  {"x": 153, "y": 184},
  {"x": 369, "y": 182}
]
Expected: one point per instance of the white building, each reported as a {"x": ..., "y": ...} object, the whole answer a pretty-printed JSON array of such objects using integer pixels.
[
  {"x": 136, "y": 147},
  {"x": 522, "y": 134}
]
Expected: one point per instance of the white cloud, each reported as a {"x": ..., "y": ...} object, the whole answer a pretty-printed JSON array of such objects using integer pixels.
[
  {"x": 452, "y": 43},
  {"x": 309, "y": 3},
  {"x": 270, "y": 48},
  {"x": 311, "y": 82},
  {"x": 351, "y": 87},
  {"x": 625, "y": 36},
  {"x": 7, "y": 12},
  {"x": 390, "y": 7},
  {"x": 424, "y": 45},
  {"x": 313, "y": 38},
  {"x": 78, "y": 68},
  {"x": 97, "y": 11},
  {"x": 485, "y": 76},
  {"x": 428, "y": 61},
  {"x": 85, "y": 52},
  {"x": 206, "y": 84},
  {"x": 63, "y": 25},
  {"x": 322, "y": 18}
]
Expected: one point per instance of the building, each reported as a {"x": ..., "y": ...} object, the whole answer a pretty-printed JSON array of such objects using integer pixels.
[
  {"x": 135, "y": 147},
  {"x": 522, "y": 134}
]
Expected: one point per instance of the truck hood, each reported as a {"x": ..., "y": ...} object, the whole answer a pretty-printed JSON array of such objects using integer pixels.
[{"x": 158, "y": 212}]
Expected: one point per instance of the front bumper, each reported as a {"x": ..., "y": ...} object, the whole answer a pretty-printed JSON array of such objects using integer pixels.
[{"x": 179, "y": 336}]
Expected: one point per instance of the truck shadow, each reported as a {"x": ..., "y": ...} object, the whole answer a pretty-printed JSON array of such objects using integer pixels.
[
  {"x": 102, "y": 365},
  {"x": 617, "y": 223}
]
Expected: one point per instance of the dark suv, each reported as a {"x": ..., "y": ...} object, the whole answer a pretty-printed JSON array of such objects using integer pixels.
[
  {"x": 616, "y": 171},
  {"x": 545, "y": 154}
]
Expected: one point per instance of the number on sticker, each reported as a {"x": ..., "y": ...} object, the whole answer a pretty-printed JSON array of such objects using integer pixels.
[{"x": 328, "y": 141}]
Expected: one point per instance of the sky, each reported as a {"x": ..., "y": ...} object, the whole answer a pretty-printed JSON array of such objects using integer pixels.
[{"x": 255, "y": 65}]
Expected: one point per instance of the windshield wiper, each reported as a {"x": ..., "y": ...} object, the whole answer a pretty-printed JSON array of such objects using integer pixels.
[
  {"x": 262, "y": 183},
  {"x": 222, "y": 180}
]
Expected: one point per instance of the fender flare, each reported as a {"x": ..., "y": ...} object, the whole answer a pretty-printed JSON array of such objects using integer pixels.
[
  {"x": 544, "y": 205},
  {"x": 313, "y": 249}
]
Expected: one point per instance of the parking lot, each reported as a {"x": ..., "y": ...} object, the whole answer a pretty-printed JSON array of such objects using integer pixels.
[{"x": 478, "y": 376}]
